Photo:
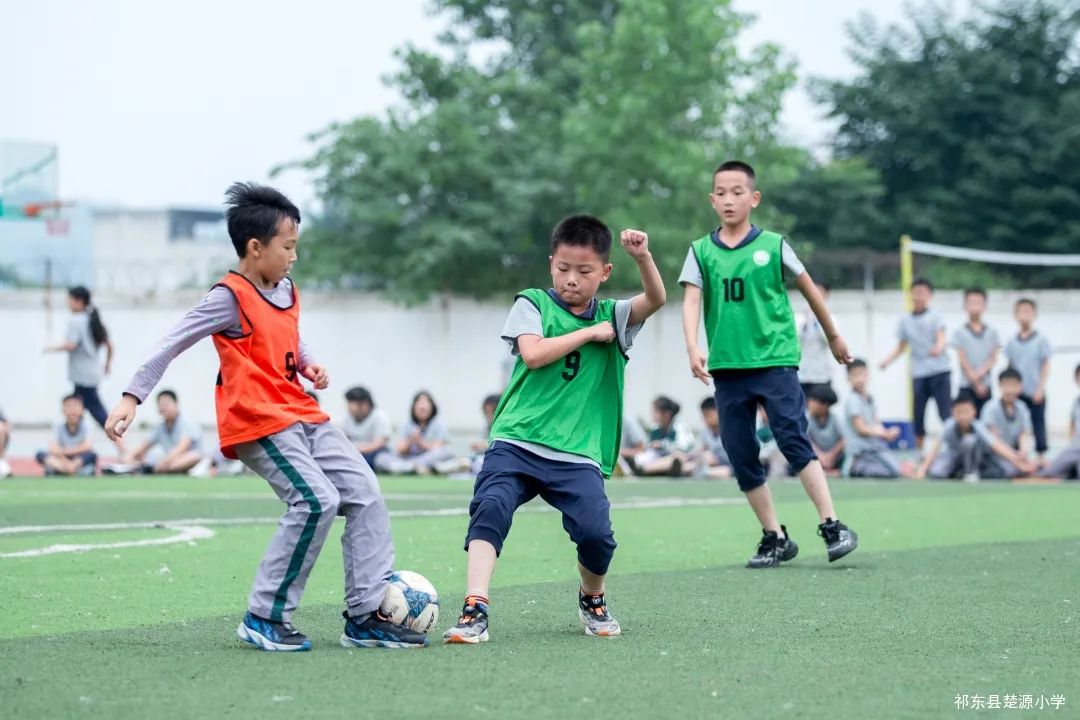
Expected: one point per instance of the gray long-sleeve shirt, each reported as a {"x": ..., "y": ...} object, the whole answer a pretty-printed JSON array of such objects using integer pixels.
[{"x": 217, "y": 313}]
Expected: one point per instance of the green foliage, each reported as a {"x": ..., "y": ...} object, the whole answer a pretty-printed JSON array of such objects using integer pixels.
[{"x": 620, "y": 109}]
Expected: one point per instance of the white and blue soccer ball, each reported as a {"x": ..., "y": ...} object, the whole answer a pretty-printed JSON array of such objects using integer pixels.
[{"x": 411, "y": 600}]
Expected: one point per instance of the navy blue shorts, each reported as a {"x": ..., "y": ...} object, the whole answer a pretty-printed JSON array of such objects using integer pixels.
[
  {"x": 938, "y": 387},
  {"x": 739, "y": 393},
  {"x": 512, "y": 476}
]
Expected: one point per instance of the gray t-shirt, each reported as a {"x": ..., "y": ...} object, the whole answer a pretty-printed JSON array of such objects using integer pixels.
[
  {"x": 84, "y": 362},
  {"x": 217, "y": 313},
  {"x": 525, "y": 319},
  {"x": 167, "y": 438},
  {"x": 67, "y": 438},
  {"x": 375, "y": 425},
  {"x": 434, "y": 431},
  {"x": 919, "y": 331},
  {"x": 817, "y": 359},
  {"x": 950, "y": 434},
  {"x": 824, "y": 436},
  {"x": 1008, "y": 426},
  {"x": 978, "y": 347},
  {"x": 1026, "y": 356},
  {"x": 862, "y": 406},
  {"x": 691, "y": 271},
  {"x": 1076, "y": 422},
  {"x": 712, "y": 443},
  {"x": 633, "y": 434}
]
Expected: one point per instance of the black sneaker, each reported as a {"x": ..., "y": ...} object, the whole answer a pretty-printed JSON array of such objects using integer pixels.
[
  {"x": 592, "y": 609},
  {"x": 773, "y": 550},
  {"x": 472, "y": 626},
  {"x": 272, "y": 636},
  {"x": 376, "y": 630},
  {"x": 839, "y": 539}
]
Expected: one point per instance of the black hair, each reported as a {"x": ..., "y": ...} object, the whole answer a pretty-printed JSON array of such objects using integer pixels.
[
  {"x": 254, "y": 211},
  {"x": 822, "y": 394},
  {"x": 665, "y": 404},
  {"x": 855, "y": 365},
  {"x": 964, "y": 399},
  {"x": 582, "y": 231},
  {"x": 97, "y": 328},
  {"x": 1011, "y": 373},
  {"x": 168, "y": 394},
  {"x": 492, "y": 399},
  {"x": 975, "y": 291},
  {"x": 72, "y": 396},
  {"x": 708, "y": 403},
  {"x": 360, "y": 395},
  {"x": 922, "y": 281},
  {"x": 736, "y": 166},
  {"x": 313, "y": 395},
  {"x": 1027, "y": 301},
  {"x": 412, "y": 406}
]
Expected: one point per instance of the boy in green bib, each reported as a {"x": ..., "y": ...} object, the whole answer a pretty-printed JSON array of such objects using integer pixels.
[
  {"x": 558, "y": 425},
  {"x": 737, "y": 274}
]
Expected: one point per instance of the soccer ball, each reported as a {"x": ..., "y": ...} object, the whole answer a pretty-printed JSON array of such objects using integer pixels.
[{"x": 411, "y": 600}]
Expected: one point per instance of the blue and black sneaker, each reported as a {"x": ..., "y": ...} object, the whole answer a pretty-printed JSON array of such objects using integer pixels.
[
  {"x": 839, "y": 538},
  {"x": 377, "y": 630},
  {"x": 272, "y": 636}
]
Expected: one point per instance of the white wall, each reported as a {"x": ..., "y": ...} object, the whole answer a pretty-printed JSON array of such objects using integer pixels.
[{"x": 453, "y": 349}]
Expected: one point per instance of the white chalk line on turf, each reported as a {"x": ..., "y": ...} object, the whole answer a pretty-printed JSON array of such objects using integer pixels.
[
  {"x": 190, "y": 529},
  {"x": 172, "y": 495}
]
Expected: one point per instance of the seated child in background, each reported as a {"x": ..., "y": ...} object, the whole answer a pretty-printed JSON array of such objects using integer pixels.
[
  {"x": 866, "y": 440},
  {"x": 5, "y": 438},
  {"x": 1067, "y": 463},
  {"x": 769, "y": 452},
  {"x": 367, "y": 427},
  {"x": 71, "y": 452},
  {"x": 713, "y": 460},
  {"x": 669, "y": 444},
  {"x": 173, "y": 447},
  {"x": 1009, "y": 419},
  {"x": 824, "y": 429},
  {"x": 480, "y": 445},
  {"x": 631, "y": 445},
  {"x": 965, "y": 448},
  {"x": 423, "y": 441}
]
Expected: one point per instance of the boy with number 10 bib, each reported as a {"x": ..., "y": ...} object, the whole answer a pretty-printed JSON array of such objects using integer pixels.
[
  {"x": 558, "y": 425},
  {"x": 737, "y": 273}
]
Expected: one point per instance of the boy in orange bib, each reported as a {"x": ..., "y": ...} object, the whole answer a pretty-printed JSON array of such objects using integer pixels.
[{"x": 266, "y": 420}]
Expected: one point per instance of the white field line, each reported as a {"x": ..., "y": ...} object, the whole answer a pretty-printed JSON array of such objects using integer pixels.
[
  {"x": 172, "y": 495},
  {"x": 190, "y": 529}
]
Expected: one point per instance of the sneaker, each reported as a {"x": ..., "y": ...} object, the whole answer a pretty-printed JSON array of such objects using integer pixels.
[
  {"x": 271, "y": 636},
  {"x": 773, "y": 550},
  {"x": 5, "y": 468},
  {"x": 472, "y": 626},
  {"x": 377, "y": 630},
  {"x": 121, "y": 469},
  {"x": 453, "y": 465},
  {"x": 839, "y": 540},
  {"x": 592, "y": 609},
  {"x": 202, "y": 468}
]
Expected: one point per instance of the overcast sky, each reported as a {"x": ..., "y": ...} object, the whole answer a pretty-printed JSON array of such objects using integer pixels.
[{"x": 156, "y": 104}]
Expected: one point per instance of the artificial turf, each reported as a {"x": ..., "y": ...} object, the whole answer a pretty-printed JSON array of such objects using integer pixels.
[{"x": 955, "y": 589}]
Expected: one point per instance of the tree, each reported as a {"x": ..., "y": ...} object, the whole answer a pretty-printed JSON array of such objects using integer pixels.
[
  {"x": 620, "y": 109},
  {"x": 969, "y": 125}
]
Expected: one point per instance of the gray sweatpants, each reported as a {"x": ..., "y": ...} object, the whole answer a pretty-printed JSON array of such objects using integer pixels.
[
  {"x": 875, "y": 463},
  {"x": 1065, "y": 464},
  {"x": 964, "y": 461},
  {"x": 319, "y": 474}
]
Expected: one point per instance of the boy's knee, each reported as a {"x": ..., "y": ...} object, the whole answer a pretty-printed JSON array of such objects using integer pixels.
[
  {"x": 595, "y": 548},
  {"x": 489, "y": 520},
  {"x": 748, "y": 482},
  {"x": 327, "y": 501}
]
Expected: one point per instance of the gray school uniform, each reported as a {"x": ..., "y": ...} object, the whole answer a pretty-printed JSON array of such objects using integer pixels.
[
  {"x": 1026, "y": 356},
  {"x": 319, "y": 474},
  {"x": 978, "y": 347},
  {"x": 713, "y": 443},
  {"x": 817, "y": 362},
  {"x": 961, "y": 454},
  {"x": 633, "y": 434},
  {"x": 919, "y": 331},
  {"x": 1008, "y": 426},
  {"x": 824, "y": 436},
  {"x": 867, "y": 457},
  {"x": 166, "y": 438},
  {"x": 375, "y": 425},
  {"x": 67, "y": 438},
  {"x": 1067, "y": 463},
  {"x": 84, "y": 362},
  {"x": 414, "y": 457}
]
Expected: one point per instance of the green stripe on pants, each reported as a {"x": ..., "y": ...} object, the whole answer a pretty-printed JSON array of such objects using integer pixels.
[{"x": 302, "y": 545}]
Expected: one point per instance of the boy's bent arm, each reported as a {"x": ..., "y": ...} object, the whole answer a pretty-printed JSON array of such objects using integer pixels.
[
  {"x": 655, "y": 295},
  {"x": 537, "y": 352}
]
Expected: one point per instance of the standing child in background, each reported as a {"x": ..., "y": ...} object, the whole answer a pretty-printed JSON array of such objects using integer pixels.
[
  {"x": 713, "y": 461},
  {"x": 667, "y": 451},
  {"x": 1067, "y": 464},
  {"x": 266, "y": 420},
  {"x": 737, "y": 273},
  {"x": 422, "y": 445},
  {"x": 367, "y": 426},
  {"x": 1009, "y": 420},
  {"x": 923, "y": 330},
  {"x": 977, "y": 347},
  {"x": 1028, "y": 353},
  {"x": 816, "y": 368},
  {"x": 558, "y": 425},
  {"x": 5, "y": 439},
  {"x": 824, "y": 430},
  {"x": 85, "y": 337},
  {"x": 71, "y": 451},
  {"x": 964, "y": 448},
  {"x": 866, "y": 439}
]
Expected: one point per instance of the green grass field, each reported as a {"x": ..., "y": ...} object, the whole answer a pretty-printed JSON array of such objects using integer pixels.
[{"x": 955, "y": 589}]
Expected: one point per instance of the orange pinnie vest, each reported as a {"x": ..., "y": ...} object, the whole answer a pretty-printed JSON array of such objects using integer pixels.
[{"x": 258, "y": 387}]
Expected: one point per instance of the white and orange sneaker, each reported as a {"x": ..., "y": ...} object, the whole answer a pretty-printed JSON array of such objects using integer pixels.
[{"x": 592, "y": 609}]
